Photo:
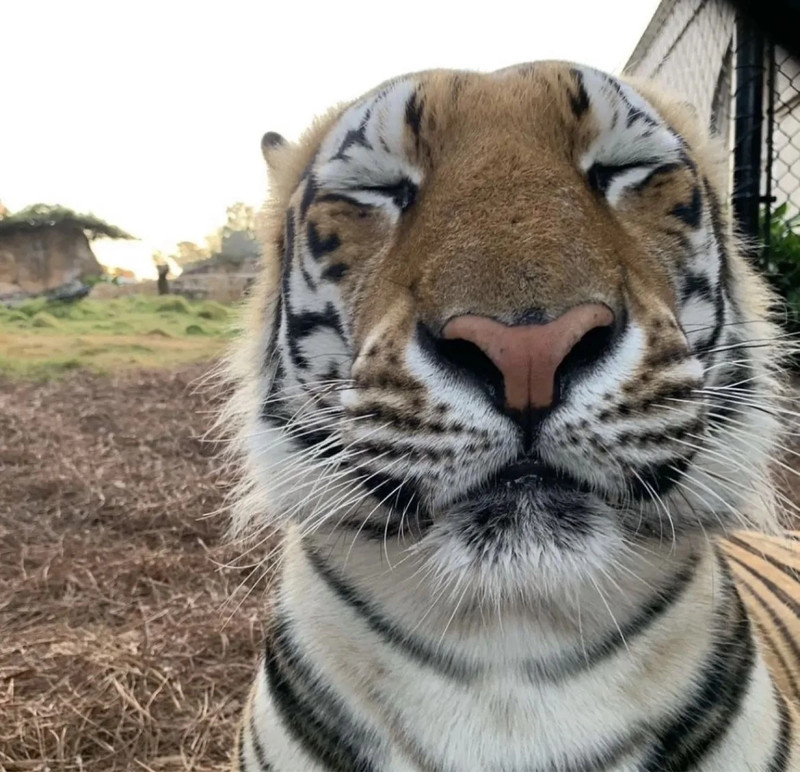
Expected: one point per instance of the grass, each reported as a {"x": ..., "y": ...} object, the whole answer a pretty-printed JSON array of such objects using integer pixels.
[{"x": 43, "y": 339}]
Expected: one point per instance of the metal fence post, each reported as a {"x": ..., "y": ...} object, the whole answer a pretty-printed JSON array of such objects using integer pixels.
[
  {"x": 769, "y": 152},
  {"x": 747, "y": 127}
]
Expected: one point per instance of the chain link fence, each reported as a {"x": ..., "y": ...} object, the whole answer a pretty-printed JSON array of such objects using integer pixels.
[{"x": 747, "y": 89}]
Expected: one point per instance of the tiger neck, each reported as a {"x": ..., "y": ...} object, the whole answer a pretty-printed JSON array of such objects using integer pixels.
[
  {"x": 649, "y": 679},
  {"x": 388, "y": 597}
]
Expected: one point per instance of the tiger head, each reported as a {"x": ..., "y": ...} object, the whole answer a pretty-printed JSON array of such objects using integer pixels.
[{"x": 503, "y": 319}]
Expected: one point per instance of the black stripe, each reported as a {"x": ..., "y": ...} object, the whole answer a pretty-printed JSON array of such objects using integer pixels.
[
  {"x": 579, "y": 99},
  {"x": 334, "y": 198},
  {"x": 288, "y": 254},
  {"x": 773, "y": 588},
  {"x": 651, "y": 611},
  {"x": 780, "y": 758},
  {"x": 240, "y": 753},
  {"x": 696, "y": 284},
  {"x": 738, "y": 374},
  {"x": 600, "y": 175},
  {"x": 299, "y": 360},
  {"x": 792, "y": 573},
  {"x": 335, "y": 271},
  {"x": 717, "y": 226},
  {"x": 733, "y": 373},
  {"x": 396, "y": 495},
  {"x": 700, "y": 725},
  {"x": 413, "y": 115},
  {"x": 776, "y": 620},
  {"x": 309, "y": 194},
  {"x": 312, "y": 714},
  {"x": 320, "y": 247},
  {"x": 657, "y": 171},
  {"x": 719, "y": 323},
  {"x": 304, "y": 323},
  {"x": 658, "y": 479},
  {"x": 355, "y": 137},
  {"x": 258, "y": 748},
  {"x": 301, "y": 325},
  {"x": 770, "y": 642},
  {"x": 306, "y": 437},
  {"x": 276, "y": 388},
  {"x": 660, "y": 397},
  {"x": 686, "y": 159},
  {"x": 724, "y": 276},
  {"x": 657, "y": 436},
  {"x": 395, "y": 450},
  {"x": 554, "y": 670},
  {"x": 428, "y": 656},
  {"x": 378, "y": 531},
  {"x": 690, "y": 213},
  {"x": 635, "y": 114},
  {"x": 402, "y": 193},
  {"x": 310, "y": 283}
]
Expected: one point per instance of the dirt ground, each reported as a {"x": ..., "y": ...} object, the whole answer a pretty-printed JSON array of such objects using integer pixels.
[{"x": 120, "y": 648}]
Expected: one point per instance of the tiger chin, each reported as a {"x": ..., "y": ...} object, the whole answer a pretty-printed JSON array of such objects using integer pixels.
[{"x": 509, "y": 389}]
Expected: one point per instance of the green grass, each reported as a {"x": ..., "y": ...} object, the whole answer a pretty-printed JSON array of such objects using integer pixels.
[{"x": 43, "y": 339}]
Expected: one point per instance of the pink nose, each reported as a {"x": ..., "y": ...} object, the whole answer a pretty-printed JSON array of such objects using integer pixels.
[{"x": 528, "y": 355}]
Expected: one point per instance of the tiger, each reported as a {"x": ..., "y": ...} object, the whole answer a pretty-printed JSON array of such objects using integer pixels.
[{"x": 511, "y": 393}]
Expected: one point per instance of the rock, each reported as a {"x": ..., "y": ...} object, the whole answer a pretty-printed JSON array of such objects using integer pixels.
[{"x": 37, "y": 260}]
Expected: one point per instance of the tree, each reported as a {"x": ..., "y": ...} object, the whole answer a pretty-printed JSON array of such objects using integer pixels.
[
  {"x": 238, "y": 239},
  {"x": 189, "y": 252},
  {"x": 241, "y": 217},
  {"x": 47, "y": 215}
]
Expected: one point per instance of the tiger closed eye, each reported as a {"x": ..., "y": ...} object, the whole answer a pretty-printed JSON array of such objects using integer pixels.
[
  {"x": 402, "y": 193},
  {"x": 600, "y": 176}
]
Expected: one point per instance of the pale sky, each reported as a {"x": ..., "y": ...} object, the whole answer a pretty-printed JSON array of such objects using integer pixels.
[{"x": 149, "y": 114}]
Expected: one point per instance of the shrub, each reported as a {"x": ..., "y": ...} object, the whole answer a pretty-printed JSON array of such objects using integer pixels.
[
  {"x": 16, "y": 317},
  {"x": 781, "y": 264},
  {"x": 173, "y": 304},
  {"x": 43, "y": 319},
  {"x": 213, "y": 310},
  {"x": 32, "y": 307}
]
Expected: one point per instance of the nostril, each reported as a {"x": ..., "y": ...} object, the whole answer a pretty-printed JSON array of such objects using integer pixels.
[
  {"x": 468, "y": 359},
  {"x": 585, "y": 354}
]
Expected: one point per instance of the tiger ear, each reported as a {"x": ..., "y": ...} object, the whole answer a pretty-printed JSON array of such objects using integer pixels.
[{"x": 272, "y": 144}]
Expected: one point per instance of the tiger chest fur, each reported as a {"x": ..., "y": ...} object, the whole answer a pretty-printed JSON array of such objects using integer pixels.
[{"x": 506, "y": 380}]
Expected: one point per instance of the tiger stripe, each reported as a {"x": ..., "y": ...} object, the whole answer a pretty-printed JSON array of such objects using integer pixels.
[{"x": 767, "y": 572}]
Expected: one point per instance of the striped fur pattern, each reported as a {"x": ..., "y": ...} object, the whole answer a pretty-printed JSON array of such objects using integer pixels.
[{"x": 433, "y": 611}]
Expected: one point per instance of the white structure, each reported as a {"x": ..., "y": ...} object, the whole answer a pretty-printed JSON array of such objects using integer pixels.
[{"x": 689, "y": 46}]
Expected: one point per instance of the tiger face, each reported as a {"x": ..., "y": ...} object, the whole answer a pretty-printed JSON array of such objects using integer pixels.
[{"x": 504, "y": 323}]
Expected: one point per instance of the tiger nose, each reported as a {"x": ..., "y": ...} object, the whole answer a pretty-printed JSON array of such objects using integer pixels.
[{"x": 528, "y": 356}]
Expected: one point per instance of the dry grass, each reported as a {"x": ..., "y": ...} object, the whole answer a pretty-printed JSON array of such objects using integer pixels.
[
  {"x": 115, "y": 653},
  {"x": 44, "y": 356}
]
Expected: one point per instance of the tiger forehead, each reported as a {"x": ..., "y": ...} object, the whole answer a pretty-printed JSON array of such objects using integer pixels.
[
  {"x": 548, "y": 113},
  {"x": 529, "y": 100},
  {"x": 539, "y": 102},
  {"x": 544, "y": 101}
]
